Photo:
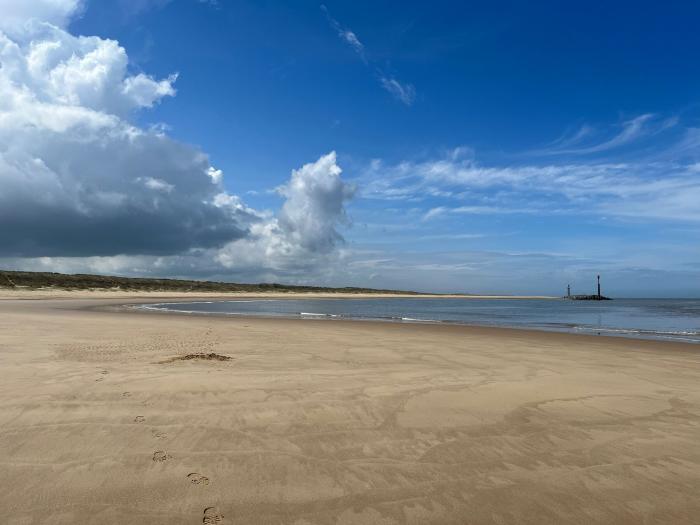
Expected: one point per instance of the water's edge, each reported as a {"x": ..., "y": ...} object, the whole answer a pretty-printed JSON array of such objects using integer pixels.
[{"x": 662, "y": 320}]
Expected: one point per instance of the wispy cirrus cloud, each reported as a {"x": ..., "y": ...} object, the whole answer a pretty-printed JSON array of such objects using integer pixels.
[
  {"x": 346, "y": 35},
  {"x": 401, "y": 91},
  {"x": 405, "y": 93},
  {"x": 587, "y": 139},
  {"x": 658, "y": 187},
  {"x": 478, "y": 210},
  {"x": 529, "y": 271}
]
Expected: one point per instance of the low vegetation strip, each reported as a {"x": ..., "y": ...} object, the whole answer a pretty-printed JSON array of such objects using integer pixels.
[{"x": 37, "y": 280}]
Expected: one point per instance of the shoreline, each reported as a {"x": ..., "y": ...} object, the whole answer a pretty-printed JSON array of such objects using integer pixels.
[
  {"x": 606, "y": 333},
  {"x": 131, "y": 302},
  {"x": 108, "y": 304},
  {"x": 636, "y": 334}
]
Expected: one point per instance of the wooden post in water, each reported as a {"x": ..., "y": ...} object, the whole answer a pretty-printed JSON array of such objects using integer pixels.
[{"x": 599, "y": 287}]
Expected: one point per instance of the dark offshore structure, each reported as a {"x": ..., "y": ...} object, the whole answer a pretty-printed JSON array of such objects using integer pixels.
[{"x": 595, "y": 297}]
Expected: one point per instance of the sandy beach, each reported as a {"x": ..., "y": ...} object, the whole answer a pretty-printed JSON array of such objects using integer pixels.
[{"x": 111, "y": 416}]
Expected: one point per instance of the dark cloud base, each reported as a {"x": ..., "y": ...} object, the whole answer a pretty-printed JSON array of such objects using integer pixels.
[{"x": 72, "y": 235}]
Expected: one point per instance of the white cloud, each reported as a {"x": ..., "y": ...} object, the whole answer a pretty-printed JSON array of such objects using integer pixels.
[
  {"x": 305, "y": 231},
  {"x": 156, "y": 184},
  {"x": 315, "y": 203},
  {"x": 404, "y": 93},
  {"x": 630, "y": 131},
  {"x": 46, "y": 65},
  {"x": 17, "y": 14},
  {"x": 298, "y": 245},
  {"x": 643, "y": 189},
  {"x": 346, "y": 35},
  {"x": 435, "y": 212},
  {"x": 216, "y": 175},
  {"x": 351, "y": 38},
  {"x": 83, "y": 187},
  {"x": 69, "y": 157}
]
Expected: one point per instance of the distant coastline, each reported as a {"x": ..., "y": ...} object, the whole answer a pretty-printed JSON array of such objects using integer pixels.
[
  {"x": 29, "y": 284},
  {"x": 42, "y": 280}
]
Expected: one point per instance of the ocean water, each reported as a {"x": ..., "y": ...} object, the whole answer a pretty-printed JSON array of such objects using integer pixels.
[{"x": 667, "y": 319}]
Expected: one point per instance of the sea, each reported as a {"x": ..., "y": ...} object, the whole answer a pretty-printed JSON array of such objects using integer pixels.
[{"x": 660, "y": 319}]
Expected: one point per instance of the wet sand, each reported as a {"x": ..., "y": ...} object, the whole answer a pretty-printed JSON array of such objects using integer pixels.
[{"x": 117, "y": 417}]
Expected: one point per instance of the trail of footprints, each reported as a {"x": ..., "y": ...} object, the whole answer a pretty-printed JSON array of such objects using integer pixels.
[
  {"x": 197, "y": 479},
  {"x": 160, "y": 456},
  {"x": 211, "y": 515}
]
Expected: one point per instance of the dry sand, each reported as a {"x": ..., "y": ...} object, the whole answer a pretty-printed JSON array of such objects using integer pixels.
[{"x": 326, "y": 422}]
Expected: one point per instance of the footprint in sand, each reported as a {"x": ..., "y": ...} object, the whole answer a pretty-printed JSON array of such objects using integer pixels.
[
  {"x": 159, "y": 435},
  {"x": 197, "y": 479},
  {"x": 139, "y": 419},
  {"x": 212, "y": 515},
  {"x": 159, "y": 456},
  {"x": 126, "y": 394}
]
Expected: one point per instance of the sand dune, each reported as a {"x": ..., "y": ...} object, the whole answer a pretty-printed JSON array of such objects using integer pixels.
[{"x": 104, "y": 419}]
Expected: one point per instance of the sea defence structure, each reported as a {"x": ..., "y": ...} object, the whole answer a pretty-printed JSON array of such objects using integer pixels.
[{"x": 595, "y": 297}]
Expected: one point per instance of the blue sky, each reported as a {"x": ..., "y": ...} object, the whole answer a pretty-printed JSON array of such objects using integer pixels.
[{"x": 505, "y": 147}]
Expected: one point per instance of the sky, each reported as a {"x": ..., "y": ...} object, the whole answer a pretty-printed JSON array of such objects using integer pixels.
[{"x": 480, "y": 147}]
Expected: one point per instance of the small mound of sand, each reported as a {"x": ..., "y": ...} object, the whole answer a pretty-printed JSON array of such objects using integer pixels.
[{"x": 204, "y": 357}]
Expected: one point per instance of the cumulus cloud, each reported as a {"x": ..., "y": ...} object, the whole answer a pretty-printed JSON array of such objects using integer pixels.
[
  {"x": 305, "y": 230},
  {"x": 315, "y": 204},
  {"x": 299, "y": 244},
  {"x": 46, "y": 66},
  {"x": 79, "y": 180},
  {"x": 17, "y": 14}
]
